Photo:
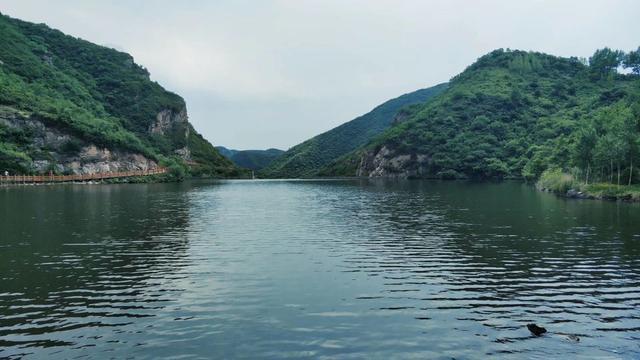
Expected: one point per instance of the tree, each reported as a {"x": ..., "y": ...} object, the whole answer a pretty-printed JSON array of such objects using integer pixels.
[
  {"x": 632, "y": 61},
  {"x": 619, "y": 146},
  {"x": 631, "y": 140},
  {"x": 634, "y": 152},
  {"x": 584, "y": 149},
  {"x": 604, "y": 62},
  {"x": 605, "y": 153}
]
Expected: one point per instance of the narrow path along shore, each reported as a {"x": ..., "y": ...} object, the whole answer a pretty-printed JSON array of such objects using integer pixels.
[{"x": 38, "y": 179}]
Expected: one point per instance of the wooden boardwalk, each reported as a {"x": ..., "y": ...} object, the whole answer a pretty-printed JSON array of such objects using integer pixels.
[{"x": 34, "y": 179}]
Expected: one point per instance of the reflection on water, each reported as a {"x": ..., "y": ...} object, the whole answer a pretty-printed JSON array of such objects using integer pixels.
[
  {"x": 276, "y": 269},
  {"x": 78, "y": 258}
]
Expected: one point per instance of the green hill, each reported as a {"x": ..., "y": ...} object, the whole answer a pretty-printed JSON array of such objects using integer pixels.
[
  {"x": 514, "y": 114},
  {"x": 307, "y": 158},
  {"x": 250, "y": 159},
  {"x": 70, "y": 106}
]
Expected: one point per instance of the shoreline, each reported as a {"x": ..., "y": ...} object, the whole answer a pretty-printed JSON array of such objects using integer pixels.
[
  {"x": 598, "y": 191},
  {"x": 621, "y": 193},
  {"x": 151, "y": 179},
  {"x": 566, "y": 185}
]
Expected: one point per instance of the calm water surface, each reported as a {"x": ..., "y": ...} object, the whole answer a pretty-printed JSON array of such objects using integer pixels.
[{"x": 318, "y": 269}]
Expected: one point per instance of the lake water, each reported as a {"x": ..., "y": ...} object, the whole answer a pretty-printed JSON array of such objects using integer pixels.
[{"x": 319, "y": 269}]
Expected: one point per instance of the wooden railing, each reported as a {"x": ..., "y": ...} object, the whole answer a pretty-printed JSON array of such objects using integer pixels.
[{"x": 30, "y": 179}]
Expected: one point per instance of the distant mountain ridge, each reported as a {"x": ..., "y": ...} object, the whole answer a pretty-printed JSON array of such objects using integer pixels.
[
  {"x": 310, "y": 157},
  {"x": 250, "y": 159}
]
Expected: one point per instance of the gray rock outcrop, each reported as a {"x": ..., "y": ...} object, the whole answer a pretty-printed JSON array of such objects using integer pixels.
[
  {"x": 62, "y": 152},
  {"x": 392, "y": 164}
]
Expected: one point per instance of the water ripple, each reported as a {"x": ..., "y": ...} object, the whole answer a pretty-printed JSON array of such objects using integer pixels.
[{"x": 320, "y": 269}]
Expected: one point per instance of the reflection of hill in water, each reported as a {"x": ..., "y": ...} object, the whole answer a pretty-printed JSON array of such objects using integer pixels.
[
  {"x": 490, "y": 221},
  {"x": 399, "y": 269},
  {"x": 496, "y": 255},
  {"x": 75, "y": 254}
]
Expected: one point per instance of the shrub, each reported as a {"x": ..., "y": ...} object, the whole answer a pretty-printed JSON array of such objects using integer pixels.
[{"x": 557, "y": 181}]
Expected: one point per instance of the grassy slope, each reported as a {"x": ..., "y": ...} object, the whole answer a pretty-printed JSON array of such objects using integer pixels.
[
  {"x": 97, "y": 93},
  {"x": 510, "y": 114},
  {"x": 309, "y": 157}
]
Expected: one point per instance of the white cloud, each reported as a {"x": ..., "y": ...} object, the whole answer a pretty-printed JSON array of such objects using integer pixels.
[{"x": 273, "y": 73}]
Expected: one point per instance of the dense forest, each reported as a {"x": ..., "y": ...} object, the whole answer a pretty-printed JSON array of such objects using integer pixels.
[
  {"x": 250, "y": 159},
  {"x": 306, "y": 159},
  {"x": 517, "y": 114},
  {"x": 99, "y": 95}
]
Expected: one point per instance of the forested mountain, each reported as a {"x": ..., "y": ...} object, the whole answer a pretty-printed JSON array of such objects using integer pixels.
[
  {"x": 515, "y": 114},
  {"x": 308, "y": 158},
  {"x": 250, "y": 159},
  {"x": 70, "y": 106}
]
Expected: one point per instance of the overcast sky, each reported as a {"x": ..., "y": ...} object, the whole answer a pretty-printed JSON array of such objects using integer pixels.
[{"x": 258, "y": 74}]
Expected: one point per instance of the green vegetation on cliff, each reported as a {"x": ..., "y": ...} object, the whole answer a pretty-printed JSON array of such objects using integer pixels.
[
  {"x": 97, "y": 94},
  {"x": 515, "y": 114},
  {"x": 308, "y": 158}
]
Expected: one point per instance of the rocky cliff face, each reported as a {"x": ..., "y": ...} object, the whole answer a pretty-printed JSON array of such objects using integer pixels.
[
  {"x": 386, "y": 162},
  {"x": 60, "y": 151},
  {"x": 169, "y": 121},
  {"x": 176, "y": 125}
]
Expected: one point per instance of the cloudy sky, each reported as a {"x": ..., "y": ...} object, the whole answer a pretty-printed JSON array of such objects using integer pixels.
[{"x": 259, "y": 74}]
